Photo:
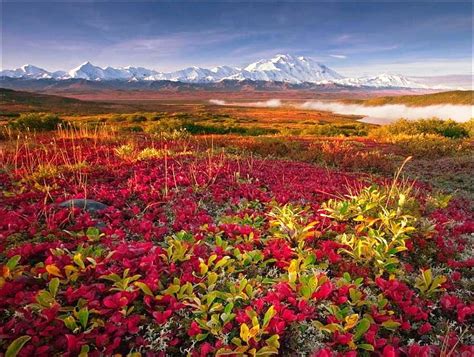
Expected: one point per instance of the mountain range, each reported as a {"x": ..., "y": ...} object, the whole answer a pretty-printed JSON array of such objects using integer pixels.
[{"x": 280, "y": 68}]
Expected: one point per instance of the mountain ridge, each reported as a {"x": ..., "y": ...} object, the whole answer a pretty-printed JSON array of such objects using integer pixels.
[{"x": 280, "y": 68}]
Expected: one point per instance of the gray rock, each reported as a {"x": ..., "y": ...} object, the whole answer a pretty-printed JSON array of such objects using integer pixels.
[{"x": 85, "y": 204}]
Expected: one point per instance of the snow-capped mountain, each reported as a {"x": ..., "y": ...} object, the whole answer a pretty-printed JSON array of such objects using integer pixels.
[
  {"x": 95, "y": 73},
  {"x": 87, "y": 71},
  {"x": 287, "y": 68},
  {"x": 27, "y": 71},
  {"x": 281, "y": 68},
  {"x": 381, "y": 81}
]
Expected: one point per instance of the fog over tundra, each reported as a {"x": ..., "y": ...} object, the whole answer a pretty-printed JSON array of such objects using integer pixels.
[
  {"x": 382, "y": 114},
  {"x": 271, "y": 103}
]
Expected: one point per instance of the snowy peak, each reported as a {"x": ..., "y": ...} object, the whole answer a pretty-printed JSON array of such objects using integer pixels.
[
  {"x": 288, "y": 68},
  {"x": 95, "y": 73},
  {"x": 27, "y": 71},
  {"x": 88, "y": 71},
  {"x": 381, "y": 81},
  {"x": 280, "y": 68}
]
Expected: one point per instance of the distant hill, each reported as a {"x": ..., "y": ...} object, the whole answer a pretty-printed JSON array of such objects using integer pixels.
[
  {"x": 459, "y": 97},
  {"x": 80, "y": 85},
  {"x": 12, "y": 101}
]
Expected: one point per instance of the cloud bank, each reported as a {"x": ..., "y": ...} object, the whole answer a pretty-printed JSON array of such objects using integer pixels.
[
  {"x": 382, "y": 114},
  {"x": 388, "y": 113},
  {"x": 271, "y": 103}
]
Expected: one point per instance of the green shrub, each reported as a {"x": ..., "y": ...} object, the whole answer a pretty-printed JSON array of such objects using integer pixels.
[
  {"x": 469, "y": 127},
  {"x": 166, "y": 125},
  {"x": 181, "y": 115},
  {"x": 430, "y": 145},
  {"x": 446, "y": 128},
  {"x": 276, "y": 147},
  {"x": 379, "y": 219},
  {"x": 137, "y": 118},
  {"x": 194, "y": 128},
  {"x": 258, "y": 131},
  {"x": 156, "y": 116},
  {"x": 37, "y": 122},
  {"x": 337, "y": 130},
  {"x": 133, "y": 129},
  {"x": 118, "y": 118}
]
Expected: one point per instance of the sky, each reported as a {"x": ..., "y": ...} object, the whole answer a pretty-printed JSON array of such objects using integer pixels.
[{"x": 355, "y": 38}]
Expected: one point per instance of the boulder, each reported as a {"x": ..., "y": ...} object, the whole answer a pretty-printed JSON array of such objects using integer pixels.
[{"x": 85, "y": 204}]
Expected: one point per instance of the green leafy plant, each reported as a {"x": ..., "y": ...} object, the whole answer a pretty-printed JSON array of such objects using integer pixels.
[
  {"x": 122, "y": 283},
  {"x": 126, "y": 152},
  {"x": 381, "y": 220},
  {"x": 429, "y": 285},
  {"x": 256, "y": 332},
  {"x": 15, "y": 347},
  {"x": 289, "y": 222}
]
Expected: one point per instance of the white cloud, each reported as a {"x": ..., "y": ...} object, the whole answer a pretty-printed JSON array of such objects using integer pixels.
[{"x": 338, "y": 56}]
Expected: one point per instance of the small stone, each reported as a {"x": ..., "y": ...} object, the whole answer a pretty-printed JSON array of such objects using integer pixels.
[{"x": 85, "y": 204}]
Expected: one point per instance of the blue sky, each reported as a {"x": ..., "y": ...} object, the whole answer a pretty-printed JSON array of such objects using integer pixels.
[{"x": 413, "y": 38}]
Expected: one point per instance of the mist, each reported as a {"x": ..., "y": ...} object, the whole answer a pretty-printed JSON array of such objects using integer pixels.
[
  {"x": 271, "y": 103},
  {"x": 218, "y": 102},
  {"x": 382, "y": 114},
  {"x": 388, "y": 113}
]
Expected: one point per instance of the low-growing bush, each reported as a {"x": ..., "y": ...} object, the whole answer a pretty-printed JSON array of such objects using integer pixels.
[
  {"x": 193, "y": 128},
  {"x": 137, "y": 118},
  {"x": 385, "y": 219},
  {"x": 276, "y": 147},
  {"x": 337, "y": 130},
  {"x": 201, "y": 254},
  {"x": 446, "y": 128},
  {"x": 156, "y": 116},
  {"x": 429, "y": 146},
  {"x": 36, "y": 122},
  {"x": 167, "y": 125},
  {"x": 118, "y": 118},
  {"x": 469, "y": 126},
  {"x": 132, "y": 129}
]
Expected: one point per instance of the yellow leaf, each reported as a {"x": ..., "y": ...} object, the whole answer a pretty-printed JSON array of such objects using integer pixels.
[
  {"x": 78, "y": 260},
  {"x": 53, "y": 270},
  {"x": 292, "y": 271},
  {"x": 254, "y": 331},
  {"x": 212, "y": 278},
  {"x": 352, "y": 345},
  {"x": 331, "y": 328},
  {"x": 5, "y": 272},
  {"x": 244, "y": 332},
  {"x": 203, "y": 268},
  {"x": 211, "y": 259},
  {"x": 351, "y": 321}
]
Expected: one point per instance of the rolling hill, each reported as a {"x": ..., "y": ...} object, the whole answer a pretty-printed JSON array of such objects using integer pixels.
[
  {"x": 12, "y": 101},
  {"x": 458, "y": 97}
]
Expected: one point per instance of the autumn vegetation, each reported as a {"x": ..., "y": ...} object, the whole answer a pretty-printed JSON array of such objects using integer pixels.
[{"x": 219, "y": 232}]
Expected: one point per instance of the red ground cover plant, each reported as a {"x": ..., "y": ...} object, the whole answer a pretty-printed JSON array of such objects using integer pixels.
[{"x": 200, "y": 254}]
